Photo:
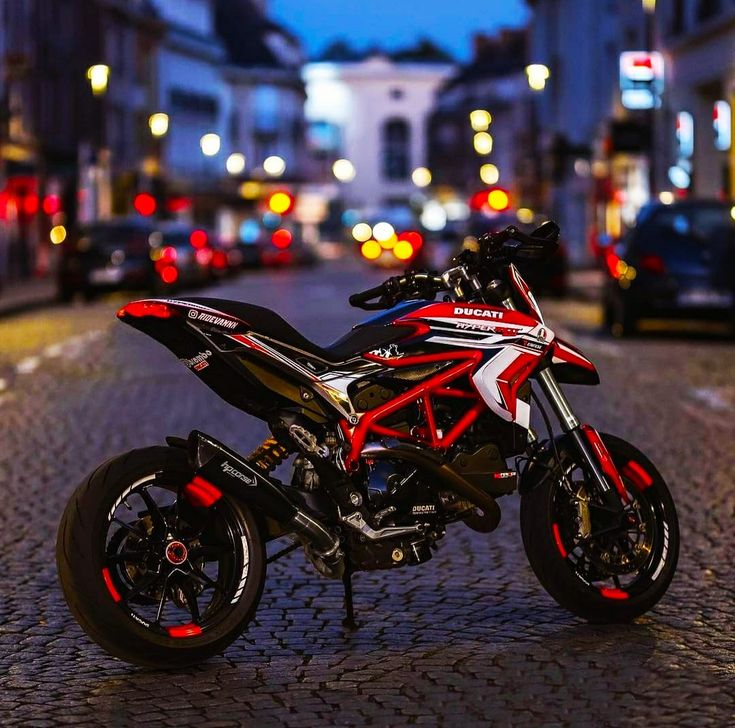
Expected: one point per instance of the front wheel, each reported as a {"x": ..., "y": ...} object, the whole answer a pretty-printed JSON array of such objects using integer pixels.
[
  {"x": 595, "y": 564},
  {"x": 158, "y": 572}
]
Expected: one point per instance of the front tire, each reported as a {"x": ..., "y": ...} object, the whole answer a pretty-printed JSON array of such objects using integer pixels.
[
  {"x": 156, "y": 577},
  {"x": 595, "y": 578}
]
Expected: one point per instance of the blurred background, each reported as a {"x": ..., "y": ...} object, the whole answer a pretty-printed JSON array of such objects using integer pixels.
[{"x": 163, "y": 143}]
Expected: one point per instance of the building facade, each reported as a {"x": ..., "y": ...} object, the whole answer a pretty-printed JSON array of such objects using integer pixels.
[
  {"x": 698, "y": 37},
  {"x": 374, "y": 113},
  {"x": 192, "y": 91},
  {"x": 589, "y": 185},
  {"x": 263, "y": 74},
  {"x": 493, "y": 82},
  {"x": 63, "y": 148}
]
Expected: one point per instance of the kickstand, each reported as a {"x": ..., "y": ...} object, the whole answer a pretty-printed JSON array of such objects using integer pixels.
[{"x": 349, "y": 620}]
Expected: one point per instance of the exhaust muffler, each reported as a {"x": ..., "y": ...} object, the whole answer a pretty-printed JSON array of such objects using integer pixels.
[{"x": 228, "y": 471}]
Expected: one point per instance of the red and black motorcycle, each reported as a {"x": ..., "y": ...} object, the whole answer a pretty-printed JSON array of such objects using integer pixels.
[{"x": 416, "y": 419}]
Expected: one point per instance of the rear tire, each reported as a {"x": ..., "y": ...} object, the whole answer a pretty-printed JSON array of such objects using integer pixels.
[
  {"x": 100, "y": 603},
  {"x": 546, "y": 542}
]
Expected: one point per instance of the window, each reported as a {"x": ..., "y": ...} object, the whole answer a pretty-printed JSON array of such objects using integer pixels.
[
  {"x": 396, "y": 149},
  {"x": 678, "y": 19},
  {"x": 266, "y": 107},
  {"x": 707, "y": 9}
]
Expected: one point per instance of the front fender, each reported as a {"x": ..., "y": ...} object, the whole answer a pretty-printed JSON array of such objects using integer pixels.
[{"x": 570, "y": 365}]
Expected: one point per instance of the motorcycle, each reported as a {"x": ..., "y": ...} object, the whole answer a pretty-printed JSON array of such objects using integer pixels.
[{"x": 417, "y": 419}]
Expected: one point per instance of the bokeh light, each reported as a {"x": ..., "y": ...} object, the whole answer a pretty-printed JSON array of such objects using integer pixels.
[
  {"x": 210, "y": 144},
  {"x": 158, "y": 124},
  {"x": 274, "y": 166},
  {"x": 489, "y": 174},
  {"x": 58, "y": 234},
  {"x": 344, "y": 170},
  {"x": 483, "y": 143},
  {"x": 362, "y": 232},
  {"x": 280, "y": 202},
  {"x": 235, "y": 163},
  {"x": 421, "y": 177},
  {"x": 403, "y": 250},
  {"x": 480, "y": 119},
  {"x": 383, "y": 231},
  {"x": 371, "y": 249}
]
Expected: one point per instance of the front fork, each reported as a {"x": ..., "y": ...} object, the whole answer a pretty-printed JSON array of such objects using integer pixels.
[
  {"x": 596, "y": 463},
  {"x": 597, "y": 460}
]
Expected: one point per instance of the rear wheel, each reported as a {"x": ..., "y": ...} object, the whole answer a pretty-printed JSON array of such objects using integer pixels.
[
  {"x": 157, "y": 573},
  {"x": 598, "y": 566}
]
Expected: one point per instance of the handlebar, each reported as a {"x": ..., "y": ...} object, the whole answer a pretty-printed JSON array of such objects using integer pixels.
[{"x": 497, "y": 248}]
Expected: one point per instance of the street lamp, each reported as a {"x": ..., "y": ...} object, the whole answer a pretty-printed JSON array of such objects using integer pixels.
[
  {"x": 480, "y": 119},
  {"x": 344, "y": 170},
  {"x": 538, "y": 74},
  {"x": 158, "y": 124},
  {"x": 274, "y": 166},
  {"x": 99, "y": 76},
  {"x": 235, "y": 163},
  {"x": 483, "y": 143},
  {"x": 210, "y": 144},
  {"x": 489, "y": 174},
  {"x": 649, "y": 6},
  {"x": 421, "y": 177}
]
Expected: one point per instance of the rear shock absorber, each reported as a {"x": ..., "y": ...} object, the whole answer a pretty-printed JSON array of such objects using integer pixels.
[{"x": 268, "y": 455}]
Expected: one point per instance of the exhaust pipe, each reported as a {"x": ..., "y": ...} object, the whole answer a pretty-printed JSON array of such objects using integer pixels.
[
  {"x": 449, "y": 477},
  {"x": 224, "y": 468}
]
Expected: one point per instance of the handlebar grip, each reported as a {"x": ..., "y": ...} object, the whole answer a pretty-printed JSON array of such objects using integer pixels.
[{"x": 360, "y": 299}]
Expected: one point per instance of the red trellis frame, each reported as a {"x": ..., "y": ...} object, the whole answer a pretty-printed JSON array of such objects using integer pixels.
[{"x": 434, "y": 386}]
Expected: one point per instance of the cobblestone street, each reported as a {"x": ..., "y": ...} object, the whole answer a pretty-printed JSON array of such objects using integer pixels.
[{"x": 470, "y": 638}]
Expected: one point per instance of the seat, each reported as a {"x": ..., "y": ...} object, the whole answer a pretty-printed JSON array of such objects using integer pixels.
[{"x": 264, "y": 321}]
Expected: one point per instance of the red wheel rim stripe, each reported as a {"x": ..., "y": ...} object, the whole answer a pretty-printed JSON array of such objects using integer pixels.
[
  {"x": 184, "y": 630},
  {"x": 557, "y": 538},
  {"x": 114, "y": 593},
  {"x": 613, "y": 593},
  {"x": 638, "y": 475}
]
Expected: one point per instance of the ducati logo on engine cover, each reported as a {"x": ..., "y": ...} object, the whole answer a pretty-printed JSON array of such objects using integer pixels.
[{"x": 423, "y": 508}]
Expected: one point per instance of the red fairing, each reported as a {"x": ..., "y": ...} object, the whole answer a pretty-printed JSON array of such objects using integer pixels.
[
  {"x": 564, "y": 353},
  {"x": 606, "y": 461},
  {"x": 471, "y": 311}
]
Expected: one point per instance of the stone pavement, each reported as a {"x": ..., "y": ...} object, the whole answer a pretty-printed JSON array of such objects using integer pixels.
[{"x": 469, "y": 638}]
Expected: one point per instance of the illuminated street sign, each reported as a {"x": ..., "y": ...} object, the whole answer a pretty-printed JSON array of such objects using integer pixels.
[
  {"x": 722, "y": 124},
  {"x": 685, "y": 134},
  {"x": 641, "y": 79}
]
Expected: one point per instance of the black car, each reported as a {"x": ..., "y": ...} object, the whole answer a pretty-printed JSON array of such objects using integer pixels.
[
  {"x": 127, "y": 254},
  {"x": 677, "y": 262}
]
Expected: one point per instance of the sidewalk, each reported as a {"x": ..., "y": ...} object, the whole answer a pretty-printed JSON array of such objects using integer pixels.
[{"x": 22, "y": 295}]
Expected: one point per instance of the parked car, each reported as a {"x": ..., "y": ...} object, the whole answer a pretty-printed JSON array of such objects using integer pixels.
[
  {"x": 134, "y": 254},
  {"x": 677, "y": 262},
  {"x": 284, "y": 247},
  {"x": 192, "y": 255}
]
